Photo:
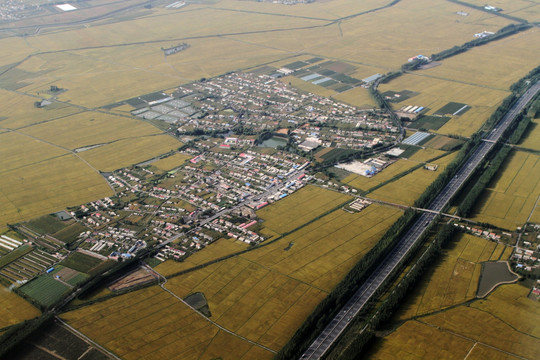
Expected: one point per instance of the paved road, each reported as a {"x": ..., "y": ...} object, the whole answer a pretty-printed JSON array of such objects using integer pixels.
[{"x": 338, "y": 324}]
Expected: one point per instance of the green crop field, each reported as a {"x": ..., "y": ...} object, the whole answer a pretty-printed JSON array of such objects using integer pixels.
[
  {"x": 82, "y": 262},
  {"x": 45, "y": 290}
]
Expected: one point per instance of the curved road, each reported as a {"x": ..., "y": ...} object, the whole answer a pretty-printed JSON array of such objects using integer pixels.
[{"x": 338, "y": 324}]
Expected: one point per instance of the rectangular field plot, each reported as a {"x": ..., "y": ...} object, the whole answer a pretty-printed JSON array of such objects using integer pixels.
[
  {"x": 48, "y": 186},
  {"x": 89, "y": 128},
  {"x": 45, "y": 290},
  {"x": 299, "y": 208},
  {"x": 251, "y": 300},
  {"x": 322, "y": 252},
  {"x": 407, "y": 189},
  {"x": 417, "y": 138},
  {"x": 171, "y": 162},
  {"x": 502, "y": 324},
  {"x": 454, "y": 278},
  {"x": 152, "y": 324},
  {"x": 129, "y": 151},
  {"x": 403, "y": 344},
  {"x": 531, "y": 139},
  {"x": 14, "y": 309},
  {"x": 511, "y": 195}
]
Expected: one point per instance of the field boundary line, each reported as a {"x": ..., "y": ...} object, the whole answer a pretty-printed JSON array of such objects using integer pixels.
[
  {"x": 472, "y": 340},
  {"x": 162, "y": 285},
  {"x": 86, "y": 338}
]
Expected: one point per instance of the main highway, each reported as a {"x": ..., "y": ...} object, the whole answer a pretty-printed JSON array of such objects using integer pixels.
[{"x": 387, "y": 266}]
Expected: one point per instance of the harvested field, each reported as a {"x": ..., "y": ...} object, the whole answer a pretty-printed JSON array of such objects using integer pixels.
[
  {"x": 138, "y": 277},
  {"x": 510, "y": 197},
  {"x": 152, "y": 324}
]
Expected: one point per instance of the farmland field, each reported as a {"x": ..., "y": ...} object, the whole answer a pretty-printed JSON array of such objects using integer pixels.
[
  {"x": 152, "y": 324},
  {"x": 129, "y": 151},
  {"x": 434, "y": 93},
  {"x": 45, "y": 290},
  {"x": 266, "y": 294},
  {"x": 14, "y": 309},
  {"x": 171, "y": 162},
  {"x": 454, "y": 278},
  {"x": 510, "y": 197},
  {"x": 408, "y": 188},
  {"x": 46, "y": 187},
  {"x": 88, "y": 129},
  {"x": 531, "y": 139},
  {"x": 299, "y": 208},
  {"x": 82, "y": 262}
]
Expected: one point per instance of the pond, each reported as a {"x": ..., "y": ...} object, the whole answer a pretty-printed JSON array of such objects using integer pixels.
[
  {"x": 274, "y": 142},
  {"x": 494, "y": 274}
]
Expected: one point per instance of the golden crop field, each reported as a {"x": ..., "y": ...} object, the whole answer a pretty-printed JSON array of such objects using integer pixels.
[
  {"x": 524, "y": 9},
  {"x": 171, "y": 162},
  {"x": 322, "y": 252},
  {"x": 251, "y": 300},
  {"x": 503, "y": 321},
  {"x": 426, "y": 154},
  {"x": 404, "y": 344},
  {"x": 19, "y": 150},
  {"x": 407, "y": 189},
  {"x": 511, "y": 196},
  {"x": 131, "y": 151},
  {"x": 152, "y": 324},
  {"x": 454, "y": 278},
  {"x": 358, "y": 97},
  {"x": 19, "y": 110},
  {"x": 531, "y": 139},
  {"x": 365, "y": 183},
  {"x": 90, "y": 128},
  {"x": 436, "y": 92},
  {"x": 217, "y": 249},
  {"x": 299, "y": 208},
  {"x": 48, "y": 186},
  {"x": 14, "y": 309},
  {"x": 497, "y": 64}
]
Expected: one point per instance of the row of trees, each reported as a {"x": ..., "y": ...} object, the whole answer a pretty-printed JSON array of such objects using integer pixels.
[{"x": 502, "y": 33}]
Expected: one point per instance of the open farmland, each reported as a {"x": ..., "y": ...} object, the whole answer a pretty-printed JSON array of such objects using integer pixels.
[
  {"x": 403, "y": 344},
  {"x": 497, "y": 64},
  {"x": 14, "y": 309},
  {"x": 454, "y": 278},
  {"x": 408, "y": 188},
  {"x": 48, "y": 186},
  {"x": 503, "y": 321},
  {"x": 511, "y": 195},
  {"x": 217, "y": 249},
  {"x": 299, "y": 208},
  {"x": 171, "y": 162},
  {"x": 129, "y": 151},
  {"x": 152, "y": 324},
  {"x": 531, "y": 139},
  {"x": 434, "y": 93},
  {"x": 267, "y": 293},
  {"x": 45, "y": 290},
  {"x": 19, "y": 110},
  {"x": 88, "y": 129}
]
